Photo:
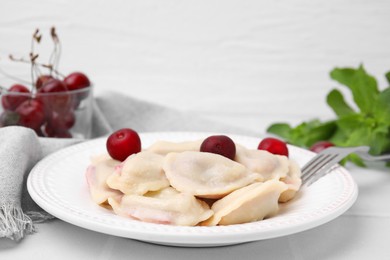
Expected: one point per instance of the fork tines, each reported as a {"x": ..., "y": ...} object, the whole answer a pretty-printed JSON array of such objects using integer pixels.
[
  {"x": 315, "y": 165},
  {"x": 325, "y": 160},
  {"x": 320, "y": 163}
]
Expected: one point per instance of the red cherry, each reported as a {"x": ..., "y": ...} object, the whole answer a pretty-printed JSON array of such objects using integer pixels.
[
  {"x": 12, "y": 101},
  {"x": 77, "y": 81},
  {"x": 53, "y": 94},
  {"x": 123, "y": 143},
  {"x": 274, "y": 146},
  {"x": 42, "y": 80},
  {"x": 49, "y": 131},
  {"x": 61, "y": 122},
  {"x": 219, "y": 144},
  {"x": 52, "y": 86},
  {"x": 31, "y": 114},
  {"x": 321, "y": 145},
  {"x": 58, "y": 125}
]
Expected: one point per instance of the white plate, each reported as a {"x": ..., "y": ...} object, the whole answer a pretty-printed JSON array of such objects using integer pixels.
[{"x": 58, "y": 185}]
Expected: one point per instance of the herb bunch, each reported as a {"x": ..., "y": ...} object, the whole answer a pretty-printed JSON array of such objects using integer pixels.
[{"x": 367, "y": 124}]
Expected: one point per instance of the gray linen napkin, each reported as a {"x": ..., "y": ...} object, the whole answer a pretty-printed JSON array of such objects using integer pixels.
[{"x": 21, "y": 149}]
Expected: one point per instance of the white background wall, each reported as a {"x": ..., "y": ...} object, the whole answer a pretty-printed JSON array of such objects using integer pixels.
[{"x": 242, "y": 62}]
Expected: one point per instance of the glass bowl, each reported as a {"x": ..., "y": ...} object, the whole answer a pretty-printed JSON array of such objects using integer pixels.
[{"x": 65, "y": 114}]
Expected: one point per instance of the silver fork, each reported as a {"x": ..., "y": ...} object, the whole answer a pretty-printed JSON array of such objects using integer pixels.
[{"x": 328, "y": 158}]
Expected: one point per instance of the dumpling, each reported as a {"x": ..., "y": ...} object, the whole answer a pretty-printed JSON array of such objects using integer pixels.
[
  {"x": 165, "y": 147},
  {"x": 271, "y": 166},
  {"x": 206, "y": 175},
  {"x": 293, "y": 181},
  {"x": 268, "y": 165},
  {"x": 139, "y": 173},
  {"x": 251, "y": 203},
  {"x": 166, "y": 206},
  {"x": 101, "y": 167}
]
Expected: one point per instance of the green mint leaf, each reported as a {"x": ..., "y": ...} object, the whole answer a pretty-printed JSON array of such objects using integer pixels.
[
  {"x": 356, "y": 160},
  {"x": 380, "y": 143},
  {"x": 363, "y": 86},
  {"x": 350, "y": 123},
  {"x": 280, "y": 129},
  {"x": 387, "y": 76},
  {"x": 298, "y": 135},
  {"x": 351, "y": 131},
  {"x": 320, "y": 132},
  {"x": 360, "y": 136},
  {"x": 355, "y": 130},
  {"x": 381, "y": 108},
  {"x": 306, "y": 133},
  {"x": 336, "y": 101},
  {"x": 339, "y": 137}
]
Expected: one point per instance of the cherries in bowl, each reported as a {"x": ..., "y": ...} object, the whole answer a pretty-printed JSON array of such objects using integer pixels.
[
  {"x": 52, "y": 110},
  {"x": 52, "y": 104}
]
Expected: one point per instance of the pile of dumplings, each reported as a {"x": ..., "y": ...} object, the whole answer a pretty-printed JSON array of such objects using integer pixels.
[{"x": 176, "y": 184}]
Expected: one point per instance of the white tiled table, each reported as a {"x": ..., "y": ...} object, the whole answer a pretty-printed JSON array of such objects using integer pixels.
[{"x": 247, "y": 64}]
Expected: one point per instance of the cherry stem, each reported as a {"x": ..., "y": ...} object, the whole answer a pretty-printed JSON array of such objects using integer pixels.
[
  {"x": 35, "y": 38},
  {"x": 35, "y": 71},
  {"x": 46, "y": 66},
  {"x": 56, "y": 53}
]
